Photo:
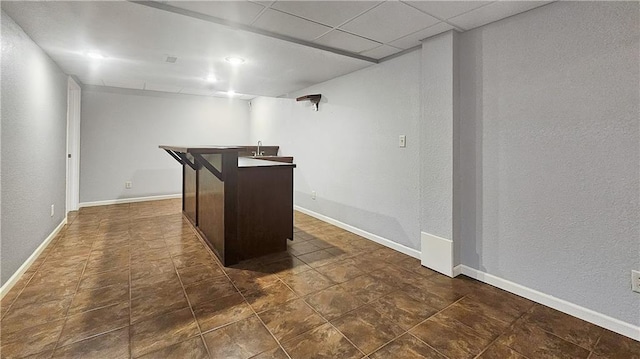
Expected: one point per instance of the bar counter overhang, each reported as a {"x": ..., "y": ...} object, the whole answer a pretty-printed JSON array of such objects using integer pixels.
[{"x": 242, "y": 207}]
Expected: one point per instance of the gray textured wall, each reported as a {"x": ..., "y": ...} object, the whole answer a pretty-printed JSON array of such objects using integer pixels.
[
  {"x": 121, "y": 130},
  {"x": 551, "y": 152},
  {"x": 348, "y": 151},
  {"x": 34, "y": 120}
]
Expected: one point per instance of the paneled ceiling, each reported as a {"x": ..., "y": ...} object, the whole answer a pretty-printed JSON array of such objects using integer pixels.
[{"x": 286, "y": 45}]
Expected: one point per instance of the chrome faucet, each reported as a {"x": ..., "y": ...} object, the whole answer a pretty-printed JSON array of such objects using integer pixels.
[{"x": 257, "y": 152}]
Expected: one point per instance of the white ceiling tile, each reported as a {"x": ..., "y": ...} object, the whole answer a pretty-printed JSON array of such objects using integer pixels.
[
  {"x": 162, "y": 88},
  {"x": 198, "y": 91},
  {"x": 127, "y": 84},
  {"x": 237, "y": 11},
  {"x": 493, "y": 12},
  {"x": 345, "y": 41},
  {"x": 446, "y": 9},
  {"x": 332, "y": 13},
  {"x": 285, "y": 24},
  {"x": 381, "y": 51},
  {"x": 389, "y": 21},
  {"x": 412, "y": 40}
]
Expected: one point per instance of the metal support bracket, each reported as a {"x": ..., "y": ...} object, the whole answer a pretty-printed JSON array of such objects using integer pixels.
[
  {"x": 175, "y": 157},
  {"x": 186, "y": 161},
  {"x": 202, "y": 161}
]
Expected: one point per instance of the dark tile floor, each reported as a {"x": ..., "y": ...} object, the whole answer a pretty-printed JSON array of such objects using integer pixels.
[{"x": 133, "y": 281}]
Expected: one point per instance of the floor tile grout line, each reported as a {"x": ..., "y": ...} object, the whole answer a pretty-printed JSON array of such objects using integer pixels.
[
  {"x": 429, "y": 345},
  {"x": 509, "y": 328},
  {"x": 257, "y": 316},
  {"x": 331, "y": 324},
  {"x": 66, "y": 316},
  {"x": 130, "y": 304},
  {"x": 409, "y": 330},
  {"x": 350, "y": 310},
  {"x": 561, "y": 338},
  {"x": 595, "y": 345},
  {"x": 488, "y": 305},
  {"x": 184, "y": 292},
  {"x": 94, "y": 335},
  {"x": 170, "y": 257}
]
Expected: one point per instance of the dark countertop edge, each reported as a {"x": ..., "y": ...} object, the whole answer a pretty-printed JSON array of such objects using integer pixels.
[
  {"x": 288, "y": 159},
  {"x": 246, "y": 162},
  {"x": 201, "y": 149}
]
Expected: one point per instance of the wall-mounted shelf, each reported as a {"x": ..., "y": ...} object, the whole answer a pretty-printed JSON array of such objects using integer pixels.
[{"x": 315, "y": 99}]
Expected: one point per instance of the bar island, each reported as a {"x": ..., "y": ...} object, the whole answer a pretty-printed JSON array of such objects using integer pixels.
[{"x": 241, "y": 206}]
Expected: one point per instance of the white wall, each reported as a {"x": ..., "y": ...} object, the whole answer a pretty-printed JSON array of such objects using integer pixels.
[
  {"x": 34, "y": 120},
  {"x": 121, "y": 131},
  {"x": 348, "y": 151},
  {"x": 551, "y": 152}
]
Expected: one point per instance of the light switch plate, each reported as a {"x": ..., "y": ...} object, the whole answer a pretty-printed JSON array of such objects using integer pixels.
[
  {"x": 402, "y": 141},
  {"x": 635, "y": 281}
]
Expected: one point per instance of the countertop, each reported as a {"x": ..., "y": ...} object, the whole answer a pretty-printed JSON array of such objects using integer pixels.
[
  {"x": 247, "y": 162},
  {"x": 206, "y": 149}
]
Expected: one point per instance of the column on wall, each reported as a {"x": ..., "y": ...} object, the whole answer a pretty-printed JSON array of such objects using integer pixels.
[{"x": 437, "y": 151}]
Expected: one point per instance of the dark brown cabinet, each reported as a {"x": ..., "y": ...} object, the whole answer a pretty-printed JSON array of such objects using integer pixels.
[{"x": 242, "y": 207}]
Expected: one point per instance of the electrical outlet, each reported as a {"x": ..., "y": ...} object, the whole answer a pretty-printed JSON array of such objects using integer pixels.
[
  {"x": 53, "y": 210},
  {"x": 313, "y": 194},
  {"x": 128, "y": 185},
  {"x": 402, "y": 141},
  {"x": 635, "y": 281}
]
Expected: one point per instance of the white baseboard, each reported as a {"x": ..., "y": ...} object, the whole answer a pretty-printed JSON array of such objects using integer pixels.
[
  {"x": 564, "y": 306},
  {"x": 6, "y": 287},
  {"x": 374, "y": 237},
  {"x": 129, "y": 200},
  {"x": 457, "y": 270},
  {"x": 437, "y": 253}
]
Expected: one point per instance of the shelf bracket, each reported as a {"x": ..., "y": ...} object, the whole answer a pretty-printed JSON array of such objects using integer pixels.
[{"x": 314, "y": 99}]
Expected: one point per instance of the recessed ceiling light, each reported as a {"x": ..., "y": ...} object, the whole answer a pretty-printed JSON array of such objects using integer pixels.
[
  {"x": 95, "y": 55},
  {"x": 231, "y": 93},
  {"x": 235, "y": 60},
  {"x": 211, "y": 78}
]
